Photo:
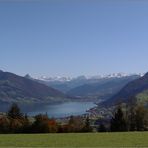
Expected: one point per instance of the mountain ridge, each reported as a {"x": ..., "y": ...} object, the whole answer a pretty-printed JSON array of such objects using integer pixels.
[
  {"x": 97, "y": 77},
  {"x": 14, "y": 88},
  {"x": 132, "y": 89},
  {"x": 103, "y": 89}
]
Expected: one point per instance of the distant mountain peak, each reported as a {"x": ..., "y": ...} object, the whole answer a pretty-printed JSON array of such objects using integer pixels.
[
  {"x": 28, "y": 76},
  {"x": 56, "y": 78},
  {"x": 83, "y": 77}
]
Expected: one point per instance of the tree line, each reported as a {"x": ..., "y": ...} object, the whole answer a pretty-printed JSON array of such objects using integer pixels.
[
  {"x": 16, "y": 122},
  {"x": 133, "y": 118}
]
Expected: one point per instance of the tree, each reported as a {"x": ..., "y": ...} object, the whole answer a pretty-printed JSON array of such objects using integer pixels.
[
  {"x": 102, "y": 128},
  {"x": 87, "y": 127},
  {"x": 14, "y": 112},
  {"x": 118, "y": 121},
  {"x": 26, "y": 128},
  {"x": 75, "y": 124},
  {"x": 131, "y": 120},
  {"x": 4, "y": 125},
  {"x": 141, "y": 118},
  {"x": 16, "y": 119},
  {"x": 130, "y": 113},
  {"x": 71, "y": 120},
  {"x": 52, "y": 125},
  {"x": 138, "y": 118},
  {"x": 41, "y": 124},
  {"x": 15, "y": 125}
]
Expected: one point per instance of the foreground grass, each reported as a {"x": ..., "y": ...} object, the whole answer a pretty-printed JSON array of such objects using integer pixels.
[{"x": 137, "y": 139}]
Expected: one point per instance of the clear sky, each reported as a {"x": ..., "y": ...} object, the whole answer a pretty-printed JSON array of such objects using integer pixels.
[{"x": 73, "y": 37}]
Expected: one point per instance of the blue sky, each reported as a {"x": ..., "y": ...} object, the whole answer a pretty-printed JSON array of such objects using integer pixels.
[{"x": 73, "y": 37}]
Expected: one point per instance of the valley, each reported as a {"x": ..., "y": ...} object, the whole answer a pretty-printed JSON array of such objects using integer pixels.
[
  {"x": 73, "y": 73},
  {"x": 81, "y": 95}
]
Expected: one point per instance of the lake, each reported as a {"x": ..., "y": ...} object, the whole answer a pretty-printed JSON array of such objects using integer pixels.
[{"x": 64, "y": 109}]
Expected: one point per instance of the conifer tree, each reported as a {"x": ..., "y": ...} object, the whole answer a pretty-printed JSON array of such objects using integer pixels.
[
  {"x": 87, "y": 127},
  {"x": 118, "y": 122},
  {"x": 14, "y": 112}
]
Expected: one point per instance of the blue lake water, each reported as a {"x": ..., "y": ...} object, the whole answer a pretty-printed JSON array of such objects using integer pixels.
[{"x": 65, "y": 109}]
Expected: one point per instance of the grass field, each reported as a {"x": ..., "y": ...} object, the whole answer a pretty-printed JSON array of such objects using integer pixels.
[{"x": 137, "y": 139}]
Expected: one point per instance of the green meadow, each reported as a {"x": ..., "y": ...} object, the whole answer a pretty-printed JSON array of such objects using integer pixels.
[{"x": 135, "y": 139}]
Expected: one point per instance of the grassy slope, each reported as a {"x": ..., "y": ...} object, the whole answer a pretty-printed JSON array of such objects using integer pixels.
[{"x": 76, "y": 140}]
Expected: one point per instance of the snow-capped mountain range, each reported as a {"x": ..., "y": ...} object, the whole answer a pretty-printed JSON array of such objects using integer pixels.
[
  {"x": 90, "y": 87},
  {"x": 67, "y": 79}
]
